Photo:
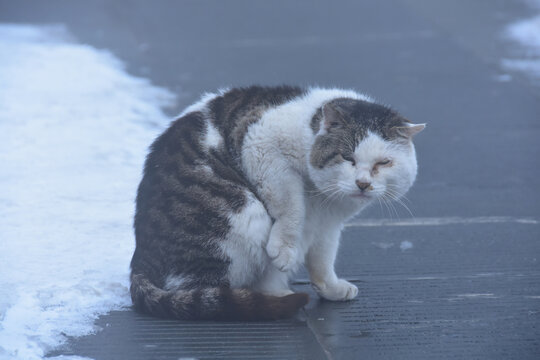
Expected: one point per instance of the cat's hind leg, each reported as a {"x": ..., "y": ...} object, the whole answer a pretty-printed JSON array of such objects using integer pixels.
[
  {"x": 244, "y": 244},
  {"x": 274, "y": 282}
]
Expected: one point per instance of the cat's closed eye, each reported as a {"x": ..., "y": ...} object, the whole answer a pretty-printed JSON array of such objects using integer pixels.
[{"x": 382, "y": 163}]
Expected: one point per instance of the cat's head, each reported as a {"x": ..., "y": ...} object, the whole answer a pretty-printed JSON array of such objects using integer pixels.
[{"x": 363, "y": 151}]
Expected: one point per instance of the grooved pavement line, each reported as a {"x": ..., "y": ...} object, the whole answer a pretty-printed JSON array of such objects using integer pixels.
[{"x": 436, "y": 221}]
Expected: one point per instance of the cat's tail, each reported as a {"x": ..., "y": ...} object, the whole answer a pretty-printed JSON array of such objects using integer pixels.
[{"x": 212, "y": 303}]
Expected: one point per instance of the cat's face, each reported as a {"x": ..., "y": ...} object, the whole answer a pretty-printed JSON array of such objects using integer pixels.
[{"x": 363, "y": 152}]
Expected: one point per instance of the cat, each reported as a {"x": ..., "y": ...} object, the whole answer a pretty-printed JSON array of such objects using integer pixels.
[{"x": 250, "y": 183}]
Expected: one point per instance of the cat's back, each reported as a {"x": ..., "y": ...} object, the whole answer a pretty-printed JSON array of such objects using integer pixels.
[
  {"x": 193, "y": 169},
  {"x": 229, "y": 106},
  {"x": 235, "y": 110},
  {"x": 220, "y": 120}
]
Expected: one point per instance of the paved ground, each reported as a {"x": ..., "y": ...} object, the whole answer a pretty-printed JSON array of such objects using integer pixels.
[{"x": 462, "y": 278}]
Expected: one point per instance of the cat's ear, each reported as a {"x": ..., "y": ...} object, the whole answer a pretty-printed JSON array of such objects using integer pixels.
[
  {"x": 409, "y": 130},
  {"x": 333, "y": 118}
]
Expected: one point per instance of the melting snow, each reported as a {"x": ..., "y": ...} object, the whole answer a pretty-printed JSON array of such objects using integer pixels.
[
  {"x": 527, "y": 34},
  {"x": 74, "y": 130},
  {"x": 405, "y": 245}
]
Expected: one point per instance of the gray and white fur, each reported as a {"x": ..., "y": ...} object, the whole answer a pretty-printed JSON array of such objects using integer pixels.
[{"x": 251, "y": 183}]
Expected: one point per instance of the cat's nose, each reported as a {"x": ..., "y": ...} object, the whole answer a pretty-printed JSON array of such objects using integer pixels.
[{"x": 362, "y": 185}]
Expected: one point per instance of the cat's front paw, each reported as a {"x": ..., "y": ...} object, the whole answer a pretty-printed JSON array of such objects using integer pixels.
[
  {"x": 283, "y": 256},
  {"x": 342, "y": 290}
]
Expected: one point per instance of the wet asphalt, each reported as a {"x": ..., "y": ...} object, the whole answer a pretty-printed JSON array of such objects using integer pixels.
[{"x": 460, "y": 279}]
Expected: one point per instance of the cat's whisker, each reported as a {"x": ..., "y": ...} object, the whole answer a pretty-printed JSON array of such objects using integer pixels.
[
  {"x": 388, "y": 203},
  {"x": 317, "y": 192},
  {"x": 405, "y": 206},
  {"x": 380, "y": 205},
  {"x": 385, "y": 203},
  {"x": 392, "y": 199},
  {"x": 395, "y": 198},
  {"x": 327, "y": 190},
  {"x": 395, "y": 210},
  {"x": 403, "y": 197},
  {"x": 394, "y": 189},
  {"x": 384, "y": 208},
  {"x": 347, "y": 187},
  {"x": 335, "y": 195},
  {"x": 330, "y": 196}
]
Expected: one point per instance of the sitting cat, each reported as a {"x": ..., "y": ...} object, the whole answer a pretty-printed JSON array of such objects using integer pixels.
[{"x": 249, "y": 184}]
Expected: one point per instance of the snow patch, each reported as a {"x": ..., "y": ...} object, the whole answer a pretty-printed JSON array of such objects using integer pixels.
[
  {"x": 503, "y": 78},
  {"x": 527, "y": 34},
  {"x": 74, "y": 131},
  {"x": 405, "y": 245},
  {"x": 529, "y": 67},
  {"x": 383, "y": 245}
]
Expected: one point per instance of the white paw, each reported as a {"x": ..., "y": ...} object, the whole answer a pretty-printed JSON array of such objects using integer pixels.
[
  {"x": 342, "y": 290},
  {"x": 283, "y": 256}
]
